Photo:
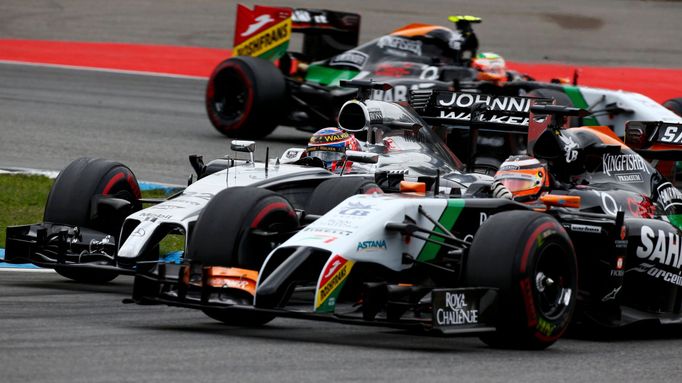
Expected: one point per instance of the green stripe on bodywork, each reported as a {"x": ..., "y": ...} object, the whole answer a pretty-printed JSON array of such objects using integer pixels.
[
  {"x": 276, "y": 52},
  {"x": 676, "y": 220},
  {"x": 328, "y": 76},
  {"x": 447, "y": 219},
  {"x": 573, "y": 92}
]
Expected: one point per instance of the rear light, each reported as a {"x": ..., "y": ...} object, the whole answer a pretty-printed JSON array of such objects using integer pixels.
[{"x": 620, "y": 263}]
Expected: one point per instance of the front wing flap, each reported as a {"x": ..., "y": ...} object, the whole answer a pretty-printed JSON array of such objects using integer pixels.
[
  {"x": 55, "y": 245},
  {"x": 457, "y": 311}
]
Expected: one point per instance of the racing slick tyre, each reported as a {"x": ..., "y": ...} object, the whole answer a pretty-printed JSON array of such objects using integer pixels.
[
  {"x": 675, "y": 105},
  {"x": 245, "y": 97},
  {"x": 333, "y": 191},
  {"x": 71, "y": 202},
  {"x": 530, "y": 259},
  {"x": 224, "y": 235}
]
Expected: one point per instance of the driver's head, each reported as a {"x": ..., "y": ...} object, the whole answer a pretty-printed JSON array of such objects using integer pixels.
[
  {"x": 524, "y": 176},
  {"x": 490, "y": 67},
  {"x": 330, "y": 145},
  {"x": 450, "y": 42}
]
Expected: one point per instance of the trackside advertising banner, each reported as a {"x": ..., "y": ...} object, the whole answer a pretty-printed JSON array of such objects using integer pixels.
[{"x": 262, "y": 32}]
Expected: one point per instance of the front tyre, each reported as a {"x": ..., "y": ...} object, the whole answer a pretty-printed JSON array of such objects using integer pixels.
[
  {"x": 530, "y": 259},
  {"x": 329, "y": 193},
  {"x": 70, "y": 202},
  {"x": 227, "y": 234}
]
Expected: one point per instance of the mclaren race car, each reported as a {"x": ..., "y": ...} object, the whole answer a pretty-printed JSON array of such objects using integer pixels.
[
  {"x": 264, "y": 85},
  {"x": 599, "y": 244},
  {"x": 95, "y": 227}
]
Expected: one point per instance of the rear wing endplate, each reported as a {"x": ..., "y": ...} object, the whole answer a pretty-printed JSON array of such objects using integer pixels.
[
  {"x": 655, "y": 140},
  {"x": 266, "y": 31}
]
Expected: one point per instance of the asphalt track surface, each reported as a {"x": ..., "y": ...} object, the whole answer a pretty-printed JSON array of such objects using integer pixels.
[
  {"x": 59, "y": 331},
  {"x": 51, "y": 116},
  {"x": 54, "y": 330}
]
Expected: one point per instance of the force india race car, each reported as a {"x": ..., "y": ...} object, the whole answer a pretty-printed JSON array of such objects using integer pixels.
[
  {"x": 601, "y": 246},
  {"x": 95, "y": 227},
  {"x": 248, "y": 96}
]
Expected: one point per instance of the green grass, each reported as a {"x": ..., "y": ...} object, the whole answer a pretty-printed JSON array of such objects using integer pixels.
[
  {"x": 23, "y": 197},
  {"x": 22, "y": 200}
]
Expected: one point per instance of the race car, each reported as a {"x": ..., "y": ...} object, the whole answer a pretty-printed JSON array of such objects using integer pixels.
[
  {"x": 95, "y": 227},
  {"x": 263, "y": 85},
  {"x": 599, "y": 242}
]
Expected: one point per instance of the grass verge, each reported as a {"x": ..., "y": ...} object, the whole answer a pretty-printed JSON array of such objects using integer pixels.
[{"x": 23, "y": 198}]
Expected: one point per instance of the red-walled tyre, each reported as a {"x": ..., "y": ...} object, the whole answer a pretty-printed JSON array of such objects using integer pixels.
[
  {"x": 224, "y": 236},
  {"x": 530, "y": 259},
  {"x": 246, "y": 97},
  {"x": 70, "y": 202}
]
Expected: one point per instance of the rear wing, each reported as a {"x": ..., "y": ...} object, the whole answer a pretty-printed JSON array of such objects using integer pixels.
[
  {"x": 462, "y": 110},
  {"x": 655, "y": 140},
  {"x": 266, "y": 31},
  {"x": 326, "y": 33}
]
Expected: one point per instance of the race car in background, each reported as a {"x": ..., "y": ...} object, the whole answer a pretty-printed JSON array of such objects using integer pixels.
[
  {"x": 599, "y": 245},
  {"x": 265, "y": 85}
]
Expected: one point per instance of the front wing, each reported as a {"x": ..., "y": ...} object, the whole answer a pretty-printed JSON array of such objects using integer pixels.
[{"x": 452, "y": 311}]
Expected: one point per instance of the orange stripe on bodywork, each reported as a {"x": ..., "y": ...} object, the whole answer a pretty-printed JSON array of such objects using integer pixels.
[
  {"x": 604, "y": 134},
  {"x": 416, "y": 187},
  {"x": 605, "y": 130},
  {"x": 416, "y": 29},
  {"x": 233, "y": 277},
  {"x": 561, "y": 200},
  {"x": 659, "y": 146}
]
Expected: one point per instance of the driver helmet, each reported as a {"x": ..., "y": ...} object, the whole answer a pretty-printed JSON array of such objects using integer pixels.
[
  {"x": 524, "y": 176},
  {"x": 330, "y": 145},
  {"x": 490, "y": 67}
]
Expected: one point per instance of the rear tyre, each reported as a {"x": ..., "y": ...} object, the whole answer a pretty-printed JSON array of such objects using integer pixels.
[
  {"x": 224, "y": 236},
  {"x": 245, "y": 97},
  {"x": 333, "y": 191},
  {"x": 675, "y": 105},
  {"x": 70, "y": 202},
  {"x": 534, "y": 267}
]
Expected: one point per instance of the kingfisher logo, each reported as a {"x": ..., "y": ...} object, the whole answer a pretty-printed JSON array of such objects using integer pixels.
[{"x": 372, "y": 245}]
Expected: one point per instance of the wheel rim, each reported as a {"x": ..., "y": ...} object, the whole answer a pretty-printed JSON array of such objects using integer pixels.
[
  {"x": 554, "y": 281},
  {"x": 231, "y": 97}
]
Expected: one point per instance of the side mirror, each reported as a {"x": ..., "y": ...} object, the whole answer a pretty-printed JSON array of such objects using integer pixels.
[
  {"x": 243, "y": 146},
  {"x": 362, "y": 157}
]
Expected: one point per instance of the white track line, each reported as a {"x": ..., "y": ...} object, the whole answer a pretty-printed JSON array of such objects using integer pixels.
[
  {"x": 107, "y": 70},
  {"x": 11, "y": 269}
]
